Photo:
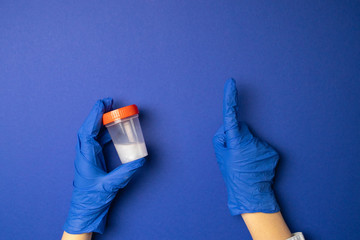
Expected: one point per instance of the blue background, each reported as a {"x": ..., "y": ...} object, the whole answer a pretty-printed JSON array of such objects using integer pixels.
[{"x": 297, "y": 69}]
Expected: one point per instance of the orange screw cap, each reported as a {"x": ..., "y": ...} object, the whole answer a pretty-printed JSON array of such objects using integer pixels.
[{"x": 120, "y": 113}]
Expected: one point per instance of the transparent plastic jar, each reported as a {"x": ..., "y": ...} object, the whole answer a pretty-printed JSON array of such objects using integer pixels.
[{"x": 125, "y": 131}]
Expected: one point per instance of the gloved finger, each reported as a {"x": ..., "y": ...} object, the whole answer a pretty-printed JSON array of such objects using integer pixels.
[
  {"x": 219, "y": 138},
  {"x": 230, "y": 111},
  {"x": 245, "y": 133},
  {"x": 120, "y": 177},
  {"x": 90, "y": 160},
  {"x": 88, "y": 146},
  {"x": 93, "y": 122},
  {"x": 86, "y": 170},
  {"x": 104, "y": 137}
]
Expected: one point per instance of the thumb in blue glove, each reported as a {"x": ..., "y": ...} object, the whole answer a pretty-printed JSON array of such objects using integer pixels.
[
  {"x": 94, "y": 188},
  {"x": 246, "y": 163}
]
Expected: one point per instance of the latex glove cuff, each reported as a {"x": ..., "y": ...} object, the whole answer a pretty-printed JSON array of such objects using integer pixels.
[{"x": 85, "y": 219}]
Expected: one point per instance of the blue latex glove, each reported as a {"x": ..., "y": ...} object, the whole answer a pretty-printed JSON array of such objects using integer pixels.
[
  {"x": 246, "y": 163},
  {"x": 94, "y": 188}
]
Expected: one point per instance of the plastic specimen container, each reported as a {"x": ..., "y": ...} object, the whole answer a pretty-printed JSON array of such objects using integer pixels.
[{"x": 125, "y": 131}]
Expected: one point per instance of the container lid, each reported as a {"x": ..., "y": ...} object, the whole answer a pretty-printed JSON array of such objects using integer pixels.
[{"x": 120, "y": 113}]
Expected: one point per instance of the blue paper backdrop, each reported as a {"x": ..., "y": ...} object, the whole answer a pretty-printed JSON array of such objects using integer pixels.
[{"x": 297, "y": 69}]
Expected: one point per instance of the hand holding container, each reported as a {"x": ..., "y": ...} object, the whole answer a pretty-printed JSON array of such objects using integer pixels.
[{"x": 125, "y": 131}]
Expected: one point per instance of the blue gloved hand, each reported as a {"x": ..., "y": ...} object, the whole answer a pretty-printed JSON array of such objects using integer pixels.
[
  {"x": 94, "y": 188},
  {"x": 246, "y": 163}
]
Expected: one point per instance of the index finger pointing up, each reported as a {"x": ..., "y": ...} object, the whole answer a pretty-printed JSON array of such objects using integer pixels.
[{"x": 230, "y": 111}]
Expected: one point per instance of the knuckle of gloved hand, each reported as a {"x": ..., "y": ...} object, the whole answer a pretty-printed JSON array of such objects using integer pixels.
[
  {"x": 125, "y": 181},
  {"x": 82, "y": 132},
  {"x": 248, "y": 142},
  {"x": 84, "y": 136},
  {"x": 88, "y": 140},
  {"x": 218, "y": 140},
  {"x": 109, "y": 187},
  {"x": 274, "y": 160},
  {"x": 275, "y": 154}
]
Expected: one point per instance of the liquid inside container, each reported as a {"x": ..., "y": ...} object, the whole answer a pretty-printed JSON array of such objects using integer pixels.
[{"x": 126, "y": 133}]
